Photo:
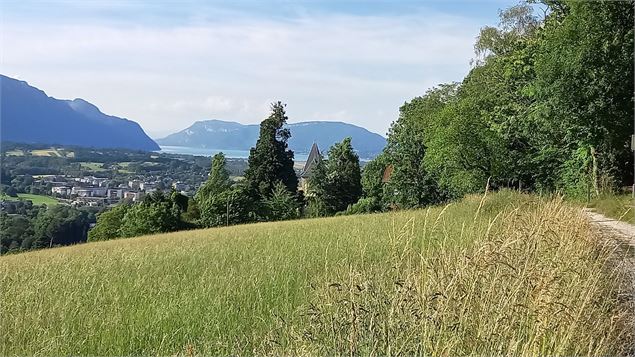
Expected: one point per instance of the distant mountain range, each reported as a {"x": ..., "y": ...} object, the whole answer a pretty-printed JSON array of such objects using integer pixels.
[
  {"x": 28, "y": 115},
  {"x": 219, "y": 134}
]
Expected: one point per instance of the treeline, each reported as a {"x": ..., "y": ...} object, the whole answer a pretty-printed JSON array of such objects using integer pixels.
[
  {"x": 268, "y": 192},
  {"x": 24, "y": 226},
  {"x": 547, "y": 107}
]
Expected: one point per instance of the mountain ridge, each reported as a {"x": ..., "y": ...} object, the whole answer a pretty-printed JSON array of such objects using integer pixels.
[
  {"x": 29, "y": 115},
  {"x": 237, "y": 136}
]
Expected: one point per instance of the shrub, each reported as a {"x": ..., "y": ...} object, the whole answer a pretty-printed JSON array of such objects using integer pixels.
[
  {"x": 365, "y": 205},
  {"x": 281, "y": 204}
]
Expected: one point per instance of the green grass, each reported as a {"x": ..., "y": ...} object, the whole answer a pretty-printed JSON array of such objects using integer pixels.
[
  {"x": 36, "y": 199},
  {"x": 92, "y": 166},
  {"x": 506, "y": 275},
  {"x": 620, "y": 207}
]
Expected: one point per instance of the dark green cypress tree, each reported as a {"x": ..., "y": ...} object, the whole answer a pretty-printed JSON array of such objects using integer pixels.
[
  {"x": 336, "y": 182},
  {"x": 271, "y": 161},
  {"x": 345, "y": 185}
]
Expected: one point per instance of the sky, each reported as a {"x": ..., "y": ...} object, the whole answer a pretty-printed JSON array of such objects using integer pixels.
[{"x": 166, "y": 64}]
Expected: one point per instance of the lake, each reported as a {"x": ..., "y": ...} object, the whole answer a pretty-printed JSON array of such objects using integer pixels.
[{"x": 235, "y": 154}]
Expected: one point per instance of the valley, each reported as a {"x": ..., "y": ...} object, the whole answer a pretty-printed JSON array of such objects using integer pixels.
[{"x": 324, "y": 178}]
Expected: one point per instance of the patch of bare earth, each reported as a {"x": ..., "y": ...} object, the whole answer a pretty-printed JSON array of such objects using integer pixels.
[{"x": 623, "y": 235}]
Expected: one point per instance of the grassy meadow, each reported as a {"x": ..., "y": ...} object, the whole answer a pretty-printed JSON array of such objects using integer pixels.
[
  {"x": 36, "y": 199},
  {"x": 508, "y": 274},
  {"x": 52, "y": 152},
  {"x": 92, "y": 166}
]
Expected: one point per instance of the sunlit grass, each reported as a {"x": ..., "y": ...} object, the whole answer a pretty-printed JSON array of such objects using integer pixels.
[
  {"x": 507, "y": 275},
  {"x": 16, "y": 152},
  {"x": 92, "y": 166},
  {"x": 36, "y": 199},
  {"x": 621, "y": 207},
  {"x": 53, "y": 152}
]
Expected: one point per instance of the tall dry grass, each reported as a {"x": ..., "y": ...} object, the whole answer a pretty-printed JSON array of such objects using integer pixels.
[
  {"x": 536, "y": 281},
  {"x": 504, "y": 274}
]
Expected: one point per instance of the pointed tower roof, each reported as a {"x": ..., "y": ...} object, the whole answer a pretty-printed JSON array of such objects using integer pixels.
[{"x": 314, "y": 158}]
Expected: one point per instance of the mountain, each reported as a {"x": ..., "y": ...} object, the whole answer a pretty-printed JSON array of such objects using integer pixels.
[
  {"x": 219, "y": 134},
  {"x": 30, "y": 116}
]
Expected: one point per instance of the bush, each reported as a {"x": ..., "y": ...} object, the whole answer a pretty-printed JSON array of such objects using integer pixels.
[
  {"x": 282, "y": 204},
  {"x": 149, "y": 218},
  {"x": 365, "y": 205},
  {"x": 315, "y": 208},
  {"x": 108, "y": 224},
  {"x": 233, "y": 206}
]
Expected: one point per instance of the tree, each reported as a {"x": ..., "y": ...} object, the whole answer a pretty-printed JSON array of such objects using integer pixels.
[
  {"x": 9, "y": 191},
  {"x": 372, "y": 183},
  {"x": 336, "y": 182},
  {"x": 218, "y": 179},
  {"x": 108, "y": 224},
  {"x": 60, "y": 225},
  {"x": 193, "y": 213},
  {"x": 180, "y": 200},
  {"x": 157, "y": 213},
  {"x": 411, "y": 185},
  {"x": 270, "y": 161},
  {"x": 344, "y": 176},
  {"x": 17, "y": 232},
  {"x": 281, "y": 204},
  {"x": 232, "y": 206},
  {"x": 216, "y": 198},
  {"x": 462, "y": 151},
  {"x": 584, "y": 83},
  {"x": 516, "y": 23},
  {"x": 151, "y": 217}
]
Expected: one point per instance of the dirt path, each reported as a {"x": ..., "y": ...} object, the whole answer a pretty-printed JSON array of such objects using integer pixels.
[
  {"x": 621, "y": 230},
  {"x": 624, "y": 235}
]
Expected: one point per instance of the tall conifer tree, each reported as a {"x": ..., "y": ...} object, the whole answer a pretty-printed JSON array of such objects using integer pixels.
[{"x": 271, "y": 161}]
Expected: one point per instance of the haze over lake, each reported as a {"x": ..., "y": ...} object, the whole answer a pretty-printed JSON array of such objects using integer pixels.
[{"x": 235, "y": 154}]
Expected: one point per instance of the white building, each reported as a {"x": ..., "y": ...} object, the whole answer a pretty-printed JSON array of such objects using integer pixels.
[
  {"x": 148, "y": 187},
  {"x": 99, "y": 181},
  {"x": 134, "y": 184},
  {"x": 61, "y": 190},
  {"x": 89, "y": 191},
  {"x": 134, "y": 196},
  {"x": 115, "y": 193}
]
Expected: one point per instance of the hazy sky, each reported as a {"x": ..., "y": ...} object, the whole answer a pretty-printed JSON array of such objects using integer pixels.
[{"x": 166, "y": 64}]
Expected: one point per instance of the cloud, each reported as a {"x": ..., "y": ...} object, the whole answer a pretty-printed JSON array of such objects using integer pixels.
[
  {"x": 214, "y": 104},
  {"x": 357, "y": 68}
]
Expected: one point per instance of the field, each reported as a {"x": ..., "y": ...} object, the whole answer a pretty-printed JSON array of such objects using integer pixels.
[
  {"x": 620, "y": 207},
  {"x": 506, "y": 274},
  {"x": 92, "y": 166},
  {"x": 15, "y": 153},
  {"x": 52, "y": 152},
  {"x": 36, "y": 199}
]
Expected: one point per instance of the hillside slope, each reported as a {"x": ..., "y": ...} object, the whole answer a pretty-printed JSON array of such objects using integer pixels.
[
  {"x": 219, "y": 134},
  {"x": 477, "y": 277},
  {"x": 30, "y": 116}
]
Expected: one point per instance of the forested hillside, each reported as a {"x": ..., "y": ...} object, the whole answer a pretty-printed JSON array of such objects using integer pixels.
[{"x": 548, "y": 106}]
